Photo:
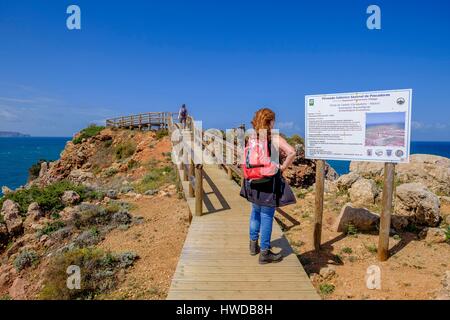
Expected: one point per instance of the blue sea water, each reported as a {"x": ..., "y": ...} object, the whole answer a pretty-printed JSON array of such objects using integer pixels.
[
  {"x": 17, "y": 155},
  {"x": 439, "y": 148}
]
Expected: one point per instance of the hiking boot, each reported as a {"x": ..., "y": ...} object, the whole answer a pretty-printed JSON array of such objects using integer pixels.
[
  {"x": 254, "y": 247},
  {"x": 267, "y": 256}
]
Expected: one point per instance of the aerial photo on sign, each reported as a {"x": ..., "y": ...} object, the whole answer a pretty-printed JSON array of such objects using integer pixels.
[{"x": 364, "y": 126}]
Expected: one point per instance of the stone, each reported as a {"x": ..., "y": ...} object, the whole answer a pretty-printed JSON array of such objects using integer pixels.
[
  {"x": 6, "y": 190},
  {"x": 112, "y": 194},
  {"x": 363, "y": 192},
  {"x": 151, "y": 192},
  {"x": 418, "y": 204},
  {"x": 17, "y": 289},
  {"x": 11, "y": 215},
  {"x": 70, "y": 198},
  {"x": 430, "y": 170},
  {"x": 69, "y": 214},
  {"x": 34, "y": 211},
  {"x": 44, "y": 169},
  {"x": 399, "y": 222},
  {"x": 328, "y": 272},
  {"x": 447, "y": 220},
  {"x": 347, "y": 180},
  {"x": 4, "y": 235},
  {"x": 433, "y": 235},
  {"x": 445, "y": 200},
  {"x": 361, "y": 218}
]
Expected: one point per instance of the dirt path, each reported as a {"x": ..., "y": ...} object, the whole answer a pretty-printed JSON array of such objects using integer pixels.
[
  {"x": 414, "y": 271},
  {"x": 158, "y": 242}
]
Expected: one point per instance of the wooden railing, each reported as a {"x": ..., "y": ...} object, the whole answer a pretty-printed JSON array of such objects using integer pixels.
[
  {"x": 158, "y": 120},
  {"x": 190, "y": 144}
]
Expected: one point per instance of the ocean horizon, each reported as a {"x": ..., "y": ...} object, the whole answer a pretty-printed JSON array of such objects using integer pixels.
[{"x": 18, "y": 154}]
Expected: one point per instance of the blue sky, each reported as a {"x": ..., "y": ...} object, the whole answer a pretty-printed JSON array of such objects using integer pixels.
[
  {"x": 224, "y": 59},
  {"x": 373, "y": 118}
]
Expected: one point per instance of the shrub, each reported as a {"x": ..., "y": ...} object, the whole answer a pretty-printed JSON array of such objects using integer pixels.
[
  {"x": 51, "y": 227},
  {"x": 88, "y": 132},
  {"x": 33, "y": 171},
  {"x": 351, "y": 230},
  {"x": 98, "y": 273},
  {"x": 156, "y": 178},
  {"x": 447, "y": 233},
  {"x": 49, "y": 197},
  {"x": 125, "y": 150},
  {"x": 91, "y": 215},
  {"x": 162, "y": 133},
  {"x": 25, "y": 259},
  {"x": 326, "y": 288},
  {"x": 371, "y": 248},
  {"x": 347, "y": 250},
  {"x": 295, "y": 139},
  {"x": 132, "y": 164},
  {"x": 110, "y": 172}
]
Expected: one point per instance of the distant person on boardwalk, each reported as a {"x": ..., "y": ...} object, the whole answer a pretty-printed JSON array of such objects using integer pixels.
[
  {"x": 182, "y": 116},
  {"x": 264, "y": 185}
]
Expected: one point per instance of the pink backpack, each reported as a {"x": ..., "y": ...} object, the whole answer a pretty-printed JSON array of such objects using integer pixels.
[{"x": 257, "y": 165}]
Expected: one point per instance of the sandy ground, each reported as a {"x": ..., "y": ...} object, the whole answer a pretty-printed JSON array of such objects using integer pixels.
[
  {"x": 414, "y": 270},
  {"x": 158, "y": 242}
]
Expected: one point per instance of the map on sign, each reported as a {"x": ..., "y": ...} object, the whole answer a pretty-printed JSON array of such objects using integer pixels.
[{"x": 364, "y": 126}]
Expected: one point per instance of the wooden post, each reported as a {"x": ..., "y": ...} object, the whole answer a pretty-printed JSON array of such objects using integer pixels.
[
  {"x": 191, "y": 174},
  {"x": 320, "y": 184},
  {"x": 385, "y": 218},
  {"x": 230, "y": 173},
  {"x": 198, "y": 190}
]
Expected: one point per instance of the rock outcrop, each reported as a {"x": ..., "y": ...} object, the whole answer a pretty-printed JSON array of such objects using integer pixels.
[
  {"x": 363, "y": 192},
  {"x": 361, "y": 218},
  {"x": 302, "y": 173},
  {"x": 429, "y": 170},
  {"x": 418, "y": 204},
  {"x": 11, "y": 215}
]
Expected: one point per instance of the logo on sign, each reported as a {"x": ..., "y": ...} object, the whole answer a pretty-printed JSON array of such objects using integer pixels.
[
  {"x": 311, "y": 102},
  {"x": 400, "y": 101}
]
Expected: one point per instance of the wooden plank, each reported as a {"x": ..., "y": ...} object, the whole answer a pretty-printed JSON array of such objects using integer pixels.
[
  {"x": 242, "y": 295},
  {"x": 320, "y": 184}
]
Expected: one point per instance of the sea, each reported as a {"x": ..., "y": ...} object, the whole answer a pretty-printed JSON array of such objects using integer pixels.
[{"x": 17, "y": 155}]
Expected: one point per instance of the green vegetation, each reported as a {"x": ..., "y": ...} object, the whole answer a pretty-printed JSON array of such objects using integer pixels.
[
  {"x": 371, "y": 248},
  {"x": 162, "y": 133},
  {"x": 88, "y": 132},
  {"x": 156, "y": 178},
  {"x": 326, "y": 288},
  {"x": 294, "y": 140},
  {"x": 51, "y": 227},
  {"x": 447, "y": 233},
  {"x": 110, "y": 172},
  {"x": 5, "y": 297},
  {"x": 98, "y": 273},
  {"x": 25, "y": 259},
  {"x": 351, "y": 230},
  {"x": 33, "y": 171},
  {"x": 49, "y": 197},
  {"x": 347, "y": 250},
  {"x": 132, "y": 164},
  {"x": 124, "y": 150}
]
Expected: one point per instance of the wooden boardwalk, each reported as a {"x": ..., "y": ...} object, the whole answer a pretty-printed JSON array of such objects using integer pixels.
[{"x": 215, "y": 262}]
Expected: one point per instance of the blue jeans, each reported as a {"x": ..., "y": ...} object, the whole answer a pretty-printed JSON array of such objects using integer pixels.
[{"x": 261, "y": 220}]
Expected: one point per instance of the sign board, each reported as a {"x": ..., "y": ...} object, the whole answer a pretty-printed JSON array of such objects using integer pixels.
[{"x": 362, "y": 126}]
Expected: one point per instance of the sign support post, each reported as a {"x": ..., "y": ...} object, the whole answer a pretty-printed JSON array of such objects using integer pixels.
[
  {"x": 320, "y": 184},
  {"x": 385, "y": 218}
]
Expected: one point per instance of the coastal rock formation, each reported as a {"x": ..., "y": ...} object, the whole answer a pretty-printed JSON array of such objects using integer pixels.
[
  {"x": 430, "y": 170},
  {"x": 361, "y": 218},
  {"x": 346, "y": 181},
  {"x": 70, "y": 198},
  {"x": 11, "y": 215},
  {"x": 302, "y": 173},
  {"x": 363, "y": 192},
  {"x": 418, "y": 204}
]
